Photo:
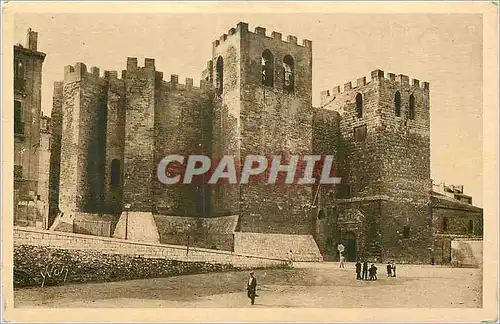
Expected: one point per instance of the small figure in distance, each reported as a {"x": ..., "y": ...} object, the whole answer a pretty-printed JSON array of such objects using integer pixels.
[
  {"x": 358, "y": 270},
  {"x": 252, "y": 288},
  {"x": 290, "y": 258}
]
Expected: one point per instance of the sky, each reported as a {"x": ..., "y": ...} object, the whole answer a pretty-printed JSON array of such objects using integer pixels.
[{"x": 442, "y": 49}]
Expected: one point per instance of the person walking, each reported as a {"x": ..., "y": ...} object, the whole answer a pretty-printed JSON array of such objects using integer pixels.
[
  {"x": 393, "y": 269},
  {"x": 358, "y": 270},
  {"x": 252, "y": 288},
  {"x": 342, "y": 259},
  {"x": 365, "y": 270}
]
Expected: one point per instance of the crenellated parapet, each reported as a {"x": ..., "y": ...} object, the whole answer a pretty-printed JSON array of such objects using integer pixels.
[
  {"x": 173, "y": 82},
  {"x": 242, "y": 30},
  {"x": 78, "y": 72},
  {"x": 399, "y": 80}
]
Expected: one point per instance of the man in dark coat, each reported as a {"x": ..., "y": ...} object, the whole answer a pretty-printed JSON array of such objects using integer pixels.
[
  {"x": 358, "y": 270},
  {"x": 365, "y": 270},
  {"x": 251, "y": 288}
]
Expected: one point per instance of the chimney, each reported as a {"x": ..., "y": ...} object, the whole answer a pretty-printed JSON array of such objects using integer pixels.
[{"x": 31, "y": 40}]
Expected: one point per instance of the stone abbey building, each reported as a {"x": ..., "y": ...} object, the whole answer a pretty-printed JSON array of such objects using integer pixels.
[{"x": 255, "y": 97}]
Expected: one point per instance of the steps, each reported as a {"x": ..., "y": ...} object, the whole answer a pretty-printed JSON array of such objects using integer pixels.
[{"x": 467, "y": 253}]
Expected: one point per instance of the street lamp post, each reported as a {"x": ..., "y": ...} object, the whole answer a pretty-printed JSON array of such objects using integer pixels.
[
  {"x": 187, "y": 245},
  {"x": 127, "y": 207}
]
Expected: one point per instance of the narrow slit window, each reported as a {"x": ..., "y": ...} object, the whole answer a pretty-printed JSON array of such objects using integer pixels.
[
  {"x": 359, "y": 105},
  {"x": 397, "y": 104},
  {"x": 18, "y": 117},
  {"x": 411, "y": 113},
  {"x": 220, "y": 75}
]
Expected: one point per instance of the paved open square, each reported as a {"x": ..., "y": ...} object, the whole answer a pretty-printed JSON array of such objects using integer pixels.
[{"x": 307, "y": 285}]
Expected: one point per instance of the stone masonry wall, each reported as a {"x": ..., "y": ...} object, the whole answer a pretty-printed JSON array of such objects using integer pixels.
[
  {"x": 210, "y": 233},
  {"x": 226, "y": 115},
  {"x": 274, "y": 121},
  {"x": 93, "y": 116},
  {"x": 55, "y": 151},
  {"x": 47, "y": 266},
  {"x": 358, "y": 160},
  {"x": 115, "y": 255},
  {"x": 183, "y": 125},
  {"x": 139, "y": 164},
  {"x": 115, "y": 144}
]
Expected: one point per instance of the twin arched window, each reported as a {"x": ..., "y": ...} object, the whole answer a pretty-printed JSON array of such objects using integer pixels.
[
  {"x": 267, "y": 69},
  {"x": 397, "y": 105},
  {"x": 359, "y": 105}
]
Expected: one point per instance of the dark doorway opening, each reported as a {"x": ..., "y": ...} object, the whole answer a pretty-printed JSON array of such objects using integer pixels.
[{"x": 349, "y": 242}]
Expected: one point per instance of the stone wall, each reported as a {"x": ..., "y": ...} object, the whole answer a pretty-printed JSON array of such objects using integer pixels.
[
  {"x": 83, "y": 140},
  {"x": 212, "y": 233},
  {"x": 106, "y": 245},
  {"x": 115, "y": 144},
  {"x": 226, "y": 121},
  {"x": 55, "y": 151},
  {"x": 303, "y": 247},
  {"x": 183, "y": 125},
  {"x": 139, "y": 163},
  {"x": 47, "y": 266}
]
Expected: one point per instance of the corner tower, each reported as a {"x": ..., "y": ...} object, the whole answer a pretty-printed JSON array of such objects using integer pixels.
[{"x": 384, "y": 162}]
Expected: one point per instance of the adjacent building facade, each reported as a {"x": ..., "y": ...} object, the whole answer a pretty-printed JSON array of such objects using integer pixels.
[
  {"x": 28, "y": 63},
  {"x": 255, "y": 98}
]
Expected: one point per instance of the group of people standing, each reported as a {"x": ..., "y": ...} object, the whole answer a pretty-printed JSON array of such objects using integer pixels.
[{"x": 363, "y": 272}]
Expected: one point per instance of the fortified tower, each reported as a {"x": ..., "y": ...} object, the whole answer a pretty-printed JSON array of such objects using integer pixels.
[
  {"x": 384, "y": 162},
  {"x": 81, "y": 189},
  {"x": 264, "y": 91}
]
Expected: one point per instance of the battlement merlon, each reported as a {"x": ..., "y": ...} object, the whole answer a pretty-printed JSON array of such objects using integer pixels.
[
  {"x": 58, "y": 89},
  {"x": 132, "y": 64},
  {"x": 376, "y": 75},
  {"x": 79, "y": 71},
  {"x": 174, "y": 84},
  {"x": 242, "y": 30}
]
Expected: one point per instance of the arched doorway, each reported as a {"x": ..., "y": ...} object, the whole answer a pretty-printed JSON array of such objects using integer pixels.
[{"x": 349, "y": 242}]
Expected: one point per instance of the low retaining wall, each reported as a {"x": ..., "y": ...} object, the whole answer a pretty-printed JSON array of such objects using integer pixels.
[
  {"x": 91, "y": 258},
  {"x": 46, "y": 266}
]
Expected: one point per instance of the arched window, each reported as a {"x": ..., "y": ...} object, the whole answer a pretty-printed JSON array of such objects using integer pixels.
[
  {"x": 115, "y": 173},
  {"x": 267, "y": 68},
  {"x": 288, "y": 73},
  {"x": 411, "y": 112},
  {"x": 220, "y": 75},
  {"x": 397, "y": 104},
  {"x": 359, "y": 105}
]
